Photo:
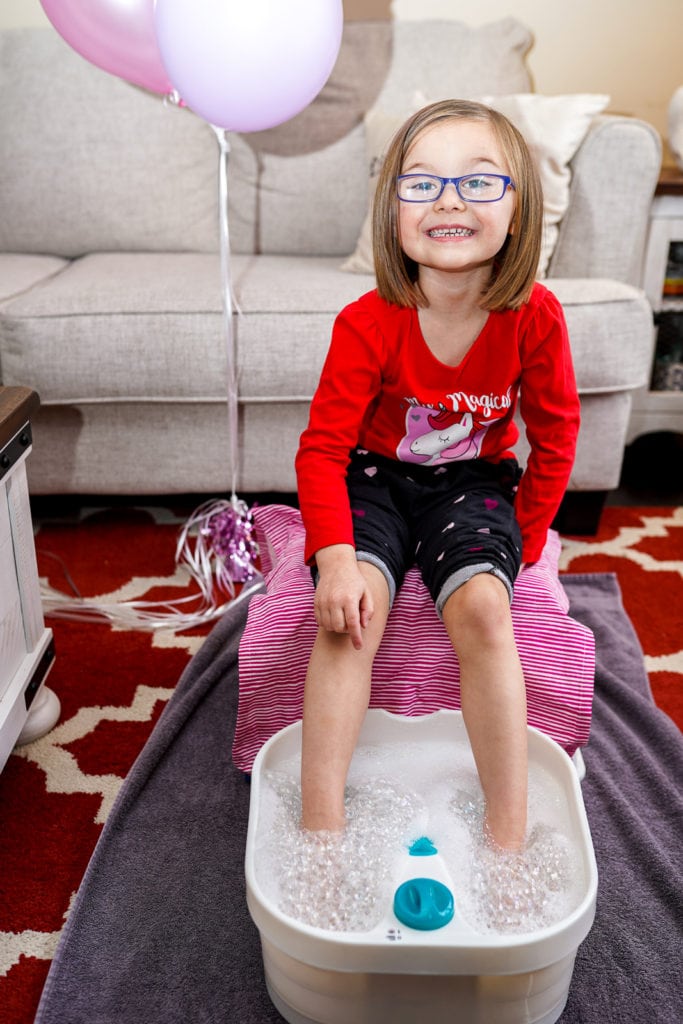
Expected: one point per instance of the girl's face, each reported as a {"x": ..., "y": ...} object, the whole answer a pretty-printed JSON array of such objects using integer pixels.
[{"x": 450, "y": 235}]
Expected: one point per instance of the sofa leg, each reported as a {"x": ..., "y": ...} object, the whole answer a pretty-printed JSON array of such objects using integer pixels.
[{"x": 580, "y": 512}]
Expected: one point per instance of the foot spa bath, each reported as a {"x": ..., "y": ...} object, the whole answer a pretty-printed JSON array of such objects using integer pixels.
[{"x": 410, "y": 915}]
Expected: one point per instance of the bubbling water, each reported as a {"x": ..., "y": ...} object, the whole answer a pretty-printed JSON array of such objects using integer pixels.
[
  {"x": 345, "y": 881},
  {"x": 516, "y": 892},
  {"x": 340, "y": 881}
]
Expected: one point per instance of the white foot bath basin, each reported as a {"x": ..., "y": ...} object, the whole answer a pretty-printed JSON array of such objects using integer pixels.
[{"x": 410, "y": 917}]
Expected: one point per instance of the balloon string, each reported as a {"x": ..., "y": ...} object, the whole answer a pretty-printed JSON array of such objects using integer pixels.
[
  {"x": 230, "y": 347},
  {"x": 144, "y": 615}
]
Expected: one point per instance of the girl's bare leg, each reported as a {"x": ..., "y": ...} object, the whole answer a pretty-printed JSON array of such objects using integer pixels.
[
  {"x": 335, "y": 701},
  {"x": 477, "y": 617}
]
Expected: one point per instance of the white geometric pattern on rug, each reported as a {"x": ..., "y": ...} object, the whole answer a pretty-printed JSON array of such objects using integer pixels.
[
  {"x": 62, "y": 771},
  {"x": 63, "y": 774},
  {"x": 665, "y": 662},
  {"x": 41, "y": 945},
  {"x": 14, "y": 945},
  {"x": 113, "y": 604},
  {"x": 623, "y": 545}
]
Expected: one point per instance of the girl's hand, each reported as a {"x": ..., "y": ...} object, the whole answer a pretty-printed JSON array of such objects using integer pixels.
[{"x": 343, "y": 602}]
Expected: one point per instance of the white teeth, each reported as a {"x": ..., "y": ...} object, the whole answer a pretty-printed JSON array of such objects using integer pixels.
[{"x": 450, "y": 233}]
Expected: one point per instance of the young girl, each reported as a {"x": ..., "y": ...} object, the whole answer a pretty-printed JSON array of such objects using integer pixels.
[{"x": 407, "y": 456}]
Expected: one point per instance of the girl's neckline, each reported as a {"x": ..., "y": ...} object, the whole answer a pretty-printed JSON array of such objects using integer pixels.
[{"x": 450, "y": 338}]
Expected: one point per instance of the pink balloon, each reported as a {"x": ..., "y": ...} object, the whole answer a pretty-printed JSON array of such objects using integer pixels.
[
  {"x": 116, "y": 35},
  {"x": 247, "y": 65}
]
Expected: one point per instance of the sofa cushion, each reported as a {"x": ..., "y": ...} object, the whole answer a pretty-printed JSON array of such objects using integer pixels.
[
  {"x": 292, "y": 303},
  {"x": 91, "y": 189},
  {"x": 144, "y": 314},
  {"x": 554, "y": 127},
  {"x": 314, "y": 203},
  {"x": 156, "y": 322},
  {"x": 19, "y": 272}
]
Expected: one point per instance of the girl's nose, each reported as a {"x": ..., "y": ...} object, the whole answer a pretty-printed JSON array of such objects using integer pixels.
[{"x": 450, "y": 198}]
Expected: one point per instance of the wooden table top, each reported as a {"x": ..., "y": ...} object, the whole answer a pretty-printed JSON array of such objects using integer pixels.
[
  {"x": 670, "y": 182},
  {"x": 17, "y": 405}
]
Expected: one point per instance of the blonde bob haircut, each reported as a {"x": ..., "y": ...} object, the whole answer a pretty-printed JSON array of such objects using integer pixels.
[{"x": 516, "y": 264}]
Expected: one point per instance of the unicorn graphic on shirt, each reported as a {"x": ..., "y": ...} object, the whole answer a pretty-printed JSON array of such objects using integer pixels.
[{"x": 436, "y": 437}]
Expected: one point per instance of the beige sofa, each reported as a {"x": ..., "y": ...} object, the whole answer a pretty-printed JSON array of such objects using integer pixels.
[{"x": 110, "y": 283}]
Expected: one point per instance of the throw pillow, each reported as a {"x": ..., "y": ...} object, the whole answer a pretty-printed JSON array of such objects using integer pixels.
[{"x": 554, "y": 127}]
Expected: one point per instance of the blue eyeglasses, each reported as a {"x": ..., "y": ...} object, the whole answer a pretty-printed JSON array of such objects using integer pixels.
[{"x": 472, "y": 188}]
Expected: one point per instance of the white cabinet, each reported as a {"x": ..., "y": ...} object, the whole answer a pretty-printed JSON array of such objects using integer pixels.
[
  {"x": 655, "y": 410},
  {"x": 28, "y": 708}
]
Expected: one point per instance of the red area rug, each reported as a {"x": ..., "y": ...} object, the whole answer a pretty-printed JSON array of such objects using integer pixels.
[
  {"x": 644, "y": 548},
  {"x": 112, "y": 683}
]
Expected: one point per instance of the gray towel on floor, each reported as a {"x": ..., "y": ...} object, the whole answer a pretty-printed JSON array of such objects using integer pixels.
[{"x": 160, "y": 932}]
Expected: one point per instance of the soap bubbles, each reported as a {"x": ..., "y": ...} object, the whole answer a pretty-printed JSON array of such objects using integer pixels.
[
  {"x": 517, "y": 892},
  {"x": 514, "y": 892},
  {"x": 341, "y": 881}
]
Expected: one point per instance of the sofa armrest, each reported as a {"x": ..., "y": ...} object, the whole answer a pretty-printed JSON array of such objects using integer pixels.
[{"x": 614, "y": 175}]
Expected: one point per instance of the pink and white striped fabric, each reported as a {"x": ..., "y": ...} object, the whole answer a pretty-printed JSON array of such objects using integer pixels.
[{"x": 416, "y": 671}]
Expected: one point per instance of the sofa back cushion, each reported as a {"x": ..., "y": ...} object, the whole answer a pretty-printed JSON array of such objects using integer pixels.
[
  {"x": 89, "y": 162},
  {"x": 445, "y": 59}
]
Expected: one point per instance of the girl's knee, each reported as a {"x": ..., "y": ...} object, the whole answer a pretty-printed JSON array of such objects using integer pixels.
[{"x": 481, "y": 604}]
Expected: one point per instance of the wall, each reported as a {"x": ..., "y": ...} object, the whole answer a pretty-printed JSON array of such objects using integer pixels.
[
  {"x": 20, "y": 13},
  {"x": 629, "y": 49}
]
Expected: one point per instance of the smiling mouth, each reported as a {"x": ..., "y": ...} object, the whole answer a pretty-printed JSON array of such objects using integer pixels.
[{"x": 450, "y": 233}]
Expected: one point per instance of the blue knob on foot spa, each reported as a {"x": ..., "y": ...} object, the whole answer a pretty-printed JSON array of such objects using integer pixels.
[{"x": 424, "y": 904}]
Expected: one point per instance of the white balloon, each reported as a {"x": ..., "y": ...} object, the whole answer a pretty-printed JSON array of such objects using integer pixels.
[{"x": 246, "y": 65}]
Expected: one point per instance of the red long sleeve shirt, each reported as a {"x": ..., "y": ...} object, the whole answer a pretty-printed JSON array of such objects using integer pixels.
[{"x": 382, "y": 389}]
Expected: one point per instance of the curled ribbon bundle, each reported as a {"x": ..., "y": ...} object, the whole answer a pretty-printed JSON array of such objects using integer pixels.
[{"x": 217, "y": 548}]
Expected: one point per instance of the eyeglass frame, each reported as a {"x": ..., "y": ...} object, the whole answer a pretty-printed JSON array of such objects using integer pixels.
[{"x": 505, "y": 178}]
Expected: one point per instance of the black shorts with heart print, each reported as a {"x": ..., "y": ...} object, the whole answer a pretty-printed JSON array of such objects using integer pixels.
[{"x": 452, "y": 520}]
